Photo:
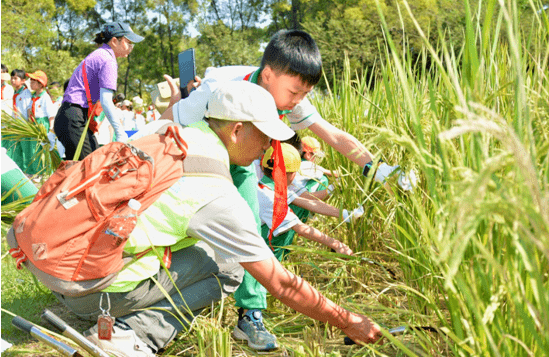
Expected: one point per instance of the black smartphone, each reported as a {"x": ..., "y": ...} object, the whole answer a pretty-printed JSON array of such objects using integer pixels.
[{"x": 187, "y": 70}]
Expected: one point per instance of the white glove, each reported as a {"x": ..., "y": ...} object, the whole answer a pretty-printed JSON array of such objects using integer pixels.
[
  {"x": 52, "y": 138},
  {"x": 353, "y": 215},
  {"x": 330, "y": 189},
  {"x": 406, "y": 183}
]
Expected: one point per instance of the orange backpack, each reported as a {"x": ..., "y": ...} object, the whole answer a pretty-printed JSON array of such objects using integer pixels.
[{"x": 61, "y": 235}]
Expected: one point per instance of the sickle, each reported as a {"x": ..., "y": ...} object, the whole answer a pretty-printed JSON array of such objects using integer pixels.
[{"x": 397, "y": 331}]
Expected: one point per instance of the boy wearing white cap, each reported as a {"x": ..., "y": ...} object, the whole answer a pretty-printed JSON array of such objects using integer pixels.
[{"x": 212, "y": 234}]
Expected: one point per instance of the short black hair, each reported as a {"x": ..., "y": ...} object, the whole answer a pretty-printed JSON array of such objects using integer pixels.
[
  {"x": 18, "y": 73},
  {"x": 295, "y": 53},
  {"x": 4, "y": 68},
  {"x": 65, "y": 85},
  {"x": 295, "y": 141},
  {"x": 267, "y": 171}
]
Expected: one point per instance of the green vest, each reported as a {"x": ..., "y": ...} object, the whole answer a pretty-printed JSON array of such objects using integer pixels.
[{"x": 166, "y": 221}]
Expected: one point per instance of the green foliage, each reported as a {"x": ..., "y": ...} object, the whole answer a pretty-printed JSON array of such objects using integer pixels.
[{"x": 229, "y": 47}]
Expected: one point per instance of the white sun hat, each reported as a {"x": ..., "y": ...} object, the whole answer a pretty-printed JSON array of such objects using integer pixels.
[{"x": 245, "y": 101}]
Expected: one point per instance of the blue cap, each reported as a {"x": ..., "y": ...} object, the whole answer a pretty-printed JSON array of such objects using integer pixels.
[{"x": 119, "y": 29}]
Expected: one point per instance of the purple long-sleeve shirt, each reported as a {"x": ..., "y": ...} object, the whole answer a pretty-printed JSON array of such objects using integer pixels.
[{"x": 102, "y": 72}]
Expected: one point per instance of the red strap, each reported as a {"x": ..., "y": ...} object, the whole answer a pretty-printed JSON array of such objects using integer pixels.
[
  {"x": 280, "y": 206},
  {"x": 87, "y": 85},
  {"x": 14, "y": 102},
  {"x": 19, "y": 256},
  {"x": 33, "y": 110},
  {"x": 167, "y": 258},
  {"x": 91, "y": 107},
  {"x": 173, "y": 132}
]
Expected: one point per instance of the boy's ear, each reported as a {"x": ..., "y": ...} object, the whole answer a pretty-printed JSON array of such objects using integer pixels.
[{"x": 267, "y": 74}]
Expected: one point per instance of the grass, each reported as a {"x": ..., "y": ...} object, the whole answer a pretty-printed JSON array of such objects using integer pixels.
[{"x": 470, "y": 247}]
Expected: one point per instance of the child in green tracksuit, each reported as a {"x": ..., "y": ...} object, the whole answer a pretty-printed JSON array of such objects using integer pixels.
[
  {"x": 251, "y": 296},
  {"x": 41, "y": 111}
]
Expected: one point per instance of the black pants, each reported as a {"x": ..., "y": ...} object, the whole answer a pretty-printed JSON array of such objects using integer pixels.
[{"x": 69, "y": 126}]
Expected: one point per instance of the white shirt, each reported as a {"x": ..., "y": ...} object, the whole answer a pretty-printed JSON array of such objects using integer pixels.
[
  {"x": 192, "y": 108},
  {"x": 128, "y": 120},
  {"x": 265, "y": 196},
  {"x": 104, "y": 135},
  {"x": 307, "y": 171},
  {"x": 7, "y": 92},
  {"x": 22, "y": 102},
  {"x": 139, "y": 121},
  {"x": 44, "y": 107}
]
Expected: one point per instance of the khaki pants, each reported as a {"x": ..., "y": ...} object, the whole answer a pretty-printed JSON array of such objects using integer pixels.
[{"x": 198, "y": 277}]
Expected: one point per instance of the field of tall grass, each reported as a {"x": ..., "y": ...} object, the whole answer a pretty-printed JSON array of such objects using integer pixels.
[{"x": 466, "y": 253}]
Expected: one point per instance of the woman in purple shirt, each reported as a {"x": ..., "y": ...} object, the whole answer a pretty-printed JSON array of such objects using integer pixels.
[{"x": 116, "y": 40}]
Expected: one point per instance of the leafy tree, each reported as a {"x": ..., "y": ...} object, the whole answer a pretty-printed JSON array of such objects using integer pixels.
[
  {"x": 231, "y": 33},
  {"x": 28, "y": 42}
]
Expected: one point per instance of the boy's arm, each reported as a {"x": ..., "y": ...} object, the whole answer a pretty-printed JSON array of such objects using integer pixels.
[
  {"x": 317, "y": 195},
  {"x": 314, "y": 234},
  {"x": 343, "y": 142},
  {"x": 316, "y": 206},
  {"x": 296, "y": 293}
]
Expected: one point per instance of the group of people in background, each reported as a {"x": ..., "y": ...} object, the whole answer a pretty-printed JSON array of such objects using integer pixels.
[{"x": 28, "y": 96}]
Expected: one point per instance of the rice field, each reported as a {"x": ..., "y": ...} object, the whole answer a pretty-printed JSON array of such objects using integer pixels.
[{"x": 466, "y": 253}]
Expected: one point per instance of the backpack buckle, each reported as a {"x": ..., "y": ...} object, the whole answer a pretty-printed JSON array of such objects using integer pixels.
[
  {"x": 62, "y": 197},
  {"x": 113, "y": 173}
]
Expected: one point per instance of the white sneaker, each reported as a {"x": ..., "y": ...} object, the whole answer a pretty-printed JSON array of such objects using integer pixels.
[{"x": 124, "y": 343}]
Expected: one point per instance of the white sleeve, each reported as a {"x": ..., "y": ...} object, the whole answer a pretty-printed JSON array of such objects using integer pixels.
[
  {"x": 191, "y": 109},
  {"x": 105, "y": 96},
  {"x": 303, "y": 115},
  {"x": 228, "y": 226},
  {"x": 266, "y": 201},
  {"x": 51, "y": 109}
]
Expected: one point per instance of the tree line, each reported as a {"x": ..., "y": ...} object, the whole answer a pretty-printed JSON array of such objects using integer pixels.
[{"x": 55, "y": 35}]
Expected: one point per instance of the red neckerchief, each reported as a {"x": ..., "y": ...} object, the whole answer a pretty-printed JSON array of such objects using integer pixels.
[
  {"x": 35, "y": 98},
  {"x": 3, "y": 86},
  {"x": 15, "y": 95},
  {"x": 280, "y": 206}
]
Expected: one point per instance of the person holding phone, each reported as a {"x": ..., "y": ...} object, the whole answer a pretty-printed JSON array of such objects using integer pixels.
[{"x": 115, "y": 40}]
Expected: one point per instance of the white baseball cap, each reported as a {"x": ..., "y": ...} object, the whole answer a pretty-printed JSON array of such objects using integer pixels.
[{"x": 245, "y": 101}]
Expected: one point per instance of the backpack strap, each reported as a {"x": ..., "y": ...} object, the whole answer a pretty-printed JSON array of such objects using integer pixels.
[
  {"x": 91, "y": 107},
  {"x": 194, "y": 165}
]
